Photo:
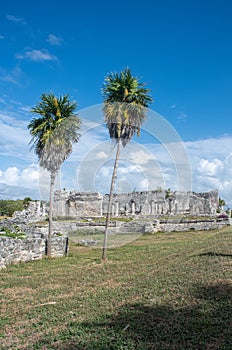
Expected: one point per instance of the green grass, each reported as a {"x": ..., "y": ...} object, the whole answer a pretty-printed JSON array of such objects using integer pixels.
[
  {"x": 114, "y": 240},
  {"x": 162, "y": 291}
]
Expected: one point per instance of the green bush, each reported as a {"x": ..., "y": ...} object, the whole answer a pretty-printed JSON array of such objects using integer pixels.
[
  {"x": 9, "y": 206},
  {"x": 12, "y": 234}
]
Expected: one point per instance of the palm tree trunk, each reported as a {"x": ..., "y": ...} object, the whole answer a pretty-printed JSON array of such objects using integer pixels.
[
  {"x": 110, "y": 199},
  {"x": 52, "y": 181}
]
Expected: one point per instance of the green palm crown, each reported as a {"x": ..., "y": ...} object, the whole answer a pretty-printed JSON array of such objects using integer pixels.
[
  {"x": 125, "y": 103},
  {"x": 54, "y": 131}
]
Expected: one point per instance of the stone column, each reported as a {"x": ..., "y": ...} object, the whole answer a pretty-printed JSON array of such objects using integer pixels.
[
  {"x": 100, "y": 208},
  {"x": 116, "y": 209},
  {"x": 112, "y": 210},
  {"x": 133, "y": 208},
  {"x": 38, "y": 208},
  {"x": 126, "y": 210},
  {"x": 176, "y": 208},
  {"x": 152, "y": 208}
]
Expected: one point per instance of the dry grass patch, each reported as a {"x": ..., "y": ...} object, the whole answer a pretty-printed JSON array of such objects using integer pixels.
[{"x": 18, "y": 292}]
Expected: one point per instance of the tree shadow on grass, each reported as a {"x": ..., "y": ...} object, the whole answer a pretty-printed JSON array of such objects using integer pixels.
[
  {"x": 206, "y": 325},
  {"x": 215, "y": 254},
  {"x": 219, "y": 291}
]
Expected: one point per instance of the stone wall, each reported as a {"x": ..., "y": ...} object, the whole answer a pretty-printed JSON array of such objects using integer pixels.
[
  {"x": 151, "y": 203},
  {"x": 157, "y": 203},
  {"x": 77, "y": 204},
  {"x": 30, "y": 230},
  {"x": 203, "y": 225},
  {"x": 36, "y": 210},
  {"x": 13, "y": 251},
  {"x": 170, "y": 225},
  {"x": 140, "y": 226}
]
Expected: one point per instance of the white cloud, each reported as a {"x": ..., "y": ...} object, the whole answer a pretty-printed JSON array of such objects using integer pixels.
[
  {"x": 26, "y": 109},
  {"x": 101, "y": 155},
  {"x": 92, "y": 142},
  {"x": 126, "y": 168},
  {"x": 129, "y": 177},
  {"x": 216, "y": 174},
  {"x": 12, "y": 76},
  {"x": 141, "y": 156},
  {"x": 14, "y": 138},
  {"x": 14, "y": 142},
  {"x": 210, "y": 148},
  {"x": 27, "y": 178},
  {"x": 210, "y": 168},
  {"x": 9, "y": 79},
  {"x": 37, "y": 55},
  {"x": 211, "y": 162},
  {"x": 182, "y": 116},
  {"x": 15, "y": 19},
  {"x": 54, "y": 40}
]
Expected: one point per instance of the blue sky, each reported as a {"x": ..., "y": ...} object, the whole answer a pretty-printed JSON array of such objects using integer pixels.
[{"x": 181, "y": 49}]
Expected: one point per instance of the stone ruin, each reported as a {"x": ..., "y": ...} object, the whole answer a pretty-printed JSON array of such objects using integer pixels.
[
  {"x": 33, "y": 242},
  {"x": 147, "y": 212},
  {"x": 136, "y": 204},
  {"x": 76, "y": 204},
  {"x": 36, "y": 210}
]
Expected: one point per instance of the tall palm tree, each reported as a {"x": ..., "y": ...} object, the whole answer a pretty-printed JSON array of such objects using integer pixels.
[
  {"x": 125, "y": 103},
  {"x": 53, "y": 133}
]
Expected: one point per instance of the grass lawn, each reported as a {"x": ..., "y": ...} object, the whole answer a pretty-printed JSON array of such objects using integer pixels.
[
  {"x": 114, "y": 239},
  {"x": 162, "y": 291}
]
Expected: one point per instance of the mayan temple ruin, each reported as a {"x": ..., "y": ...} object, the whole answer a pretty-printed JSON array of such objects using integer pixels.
[{"x": 148, "y": 203}]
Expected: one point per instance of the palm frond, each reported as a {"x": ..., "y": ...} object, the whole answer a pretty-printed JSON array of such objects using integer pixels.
[
  {"x": 54, "y": 131},
  {"x": 126, "y": 100}
]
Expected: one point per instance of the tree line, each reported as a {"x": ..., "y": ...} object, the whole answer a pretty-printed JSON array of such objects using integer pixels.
[{"x": 9, "y": 206}]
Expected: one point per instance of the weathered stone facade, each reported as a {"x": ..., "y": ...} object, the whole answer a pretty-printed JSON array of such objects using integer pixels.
[
  {"x": 75, "y": 204},
  {"x": 36, "y": 210},
  {"x": 13, "y": 251},
  {"x": 151, "y": 203}
]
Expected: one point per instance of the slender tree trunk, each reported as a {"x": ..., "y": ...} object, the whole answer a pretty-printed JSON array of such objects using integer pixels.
[
  {"x": 52, "y": 181},
  {"x": 110, "y": 199}
]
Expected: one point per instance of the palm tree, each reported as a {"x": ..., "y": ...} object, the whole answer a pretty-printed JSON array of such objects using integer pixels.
[
  {"x": 125, "y": 103},
  {"x": 53, "y": 133},
  {"x": 221, "y": 203}
]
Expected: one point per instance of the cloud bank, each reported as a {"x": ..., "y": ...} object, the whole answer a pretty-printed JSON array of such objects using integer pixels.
[{"x": 142, "y": 166}]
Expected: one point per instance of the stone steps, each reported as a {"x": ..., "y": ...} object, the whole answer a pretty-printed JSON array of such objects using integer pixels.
[{"x": 136, "y": 227}]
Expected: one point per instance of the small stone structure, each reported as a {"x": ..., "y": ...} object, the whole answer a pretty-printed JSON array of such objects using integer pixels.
[
  {"x": 34, "y": 245},
  {"x": 13, "y": 251},
  {"x": 150, "y": 203},
  {"x": 36, "y": 210},
  {"x": 73, "y": 204}
]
